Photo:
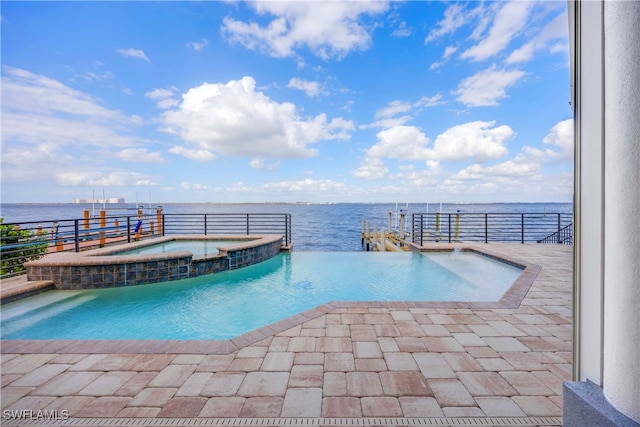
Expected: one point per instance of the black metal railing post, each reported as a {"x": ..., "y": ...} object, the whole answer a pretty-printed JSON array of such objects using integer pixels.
[
  {"x": 247, "y": 224},
  {"x": 163, "y": 224},
  {"x": 486, "y": 228},
  {"x": 522, "y": 228},
  {"x": 205, "y": 224},
  {"x": 76, "y": 235},
  {"x": 422, "y": 229},
  {"x": 128, "y": 229},
  {"x": 449, "y": 215},
  {"x": 559, "y": 237}
]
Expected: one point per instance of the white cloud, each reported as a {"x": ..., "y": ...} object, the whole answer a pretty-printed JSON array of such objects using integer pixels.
[
  {"x": 194, "y": 186},
  {"x": 487, "y": 87},
  {"x": 401, "y": 142},
  {"x": 199, "y": 45},
  {"x": 559, "y": 137},
  {"x": 118, "y": 179},
  {"x": 509, "y": 21},
  {"x": 233, "y": 119},
  {"x": 556, "y": 29},
  {"x": 328, "y": 29},
  {"x": 479, "y": 141},
  {"x": 39, "y": 110},
  {"x": 312, "y": 89},
  {"x": 198, "y": 155},
  {"x": 454, "y": 17},
  {"x": 372, "y": 168},
  {"x": 165, "y": 97},
  {"x": 402, "y": 30},
  {"x": 306, "y": 185},
  {"x": 140, "y": 155},
  {"x": 262, "y": 164},
  {"x": 133, "y": 53}
]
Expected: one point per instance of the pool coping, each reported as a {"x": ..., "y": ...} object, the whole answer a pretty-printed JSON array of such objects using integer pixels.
[{"x": 511, "y": 299}]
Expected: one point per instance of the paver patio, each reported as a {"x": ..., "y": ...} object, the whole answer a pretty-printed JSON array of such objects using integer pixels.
[{"x": 393, "y": 361}]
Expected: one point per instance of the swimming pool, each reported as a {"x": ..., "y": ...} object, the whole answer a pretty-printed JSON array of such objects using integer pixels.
[
  {"x": 231, "y": 303},
  {"x": 196, "y": 247}
]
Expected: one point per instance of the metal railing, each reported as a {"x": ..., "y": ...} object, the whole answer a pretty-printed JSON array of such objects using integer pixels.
[
  {"x": 491, "y": 227},
  {"x": 564, "y": 236},
  {"x": 21, "y": 242},
  {"x": 229, "y": 223}
]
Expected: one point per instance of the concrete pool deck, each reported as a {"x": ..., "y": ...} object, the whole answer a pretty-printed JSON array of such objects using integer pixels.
[{"x": 366, "y": 364}]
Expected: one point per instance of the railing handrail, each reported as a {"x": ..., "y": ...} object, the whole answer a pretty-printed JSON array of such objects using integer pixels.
[{"x": 489, "y": 226}]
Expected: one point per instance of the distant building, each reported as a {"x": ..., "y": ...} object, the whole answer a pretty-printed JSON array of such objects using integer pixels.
[{"x": 111, "y": 200}]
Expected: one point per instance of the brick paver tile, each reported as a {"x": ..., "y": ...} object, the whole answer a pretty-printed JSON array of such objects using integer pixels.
[
  {"x": 188, "y": 359},
  {"x": 302, "y": 344},
  {"x": 194, "y": 384},
  {"x": 25, "y": 363},
  {"x": 257, "y": 384},
  {"x": 523, "y": 361},
  {"x": 112, "y": 362},
  {"x": 309, "y": 359},
  {"x": 404, "y": 384},
  {"x": 222, "y": 407},
  {"x": 388, "y": 344},
  {"x": 245, "y": 365},
  {"x": 103, "y": 407},
  {"x": 107, "y": 384},
  {"x": 216, "y": 363},
  {"x": 450, "y": 392},
  {"x": 277, "y": 361},
  {"x": 341, "y": 407},
  {"x": 367, "y": 349},
  {"x": 342, "y": 362},
  {"x": 173, "y": 376},
  {"x": 337, "y": 331},
  {"x": 551, "y": 380},
  {"x": 135, "y": 385},
  {"x": 183, "y": 407},
  {"x": 461, "y": 362},
  {"x": 410, "y": 329},
  {"x": 32, "y": 403},
  {"x": 526, "y": 383},
  {"x": 252, "y": 351},
  {"x": 86, "y": 362},
  {"x": 306, "y": 376},
  {"x": 463, "y": 411},
  {"x": 40, "y": 375},
  {"x": 153, "y": 397},
  {"x": 302, "y": 402},
  {"x": 148, "y": 362},
  {"x": 485, "y": 352},
  {"x": 279, "y": 344},
  {"x": 499, "y": 407},
  {"x": 67, "y": 383},
  {"x": 502, "y": 344},
  {"x": 442, "y": 344},
  {"x": 486, "y": 384},
  {"x": 494, "y": 364},
  {"x": 485, "y": 331},
  {"x": 402, "y": 315},
  {"x": 505, "y": 328},
  {"x": 363, "y": 384},
  {"x": 363, "y": 333},
  {"x": 223, "y": 384},
  {"x": 386, "y": 330},
  {"x": 371, "y": 365},
  {"x": 255, "y": 407},
  {"x": 138, "y": 412},
  {"x": 9, "y": 395},
  {"x": 436, "y": 331},
  {"x": 400, "y": 362},
  {"x": 334, "y": 384},
  {"x": 538, "y": 406},
  {"x": 433, "y": 365},
  {"x": 469, "y": 339},
  {"x": 333, "y": 344},
  {"x": 418, "y": 406},
  {"x": 410, "y": 344},
  {"x": 380, "y": 407}
]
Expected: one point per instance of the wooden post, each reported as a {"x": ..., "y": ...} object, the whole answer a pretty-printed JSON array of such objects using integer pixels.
[
  {"x": 159, "y": 219},
  {"x": 103, "y": 225}
]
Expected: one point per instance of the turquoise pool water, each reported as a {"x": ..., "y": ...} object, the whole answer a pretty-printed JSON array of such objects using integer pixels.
[
  {"x": 196, "y": 247},
  {"x": 228, "y": 304}
]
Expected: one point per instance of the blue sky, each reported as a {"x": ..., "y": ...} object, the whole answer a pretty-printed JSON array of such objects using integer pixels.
[{"x": 286, "y": 101}]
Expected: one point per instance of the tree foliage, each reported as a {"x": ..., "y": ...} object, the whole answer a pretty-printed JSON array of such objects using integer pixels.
[{"x": 18, "y": 246}]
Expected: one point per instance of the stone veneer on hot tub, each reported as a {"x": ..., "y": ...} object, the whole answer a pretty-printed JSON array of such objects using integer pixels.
[{"x": 104, "y": 268}]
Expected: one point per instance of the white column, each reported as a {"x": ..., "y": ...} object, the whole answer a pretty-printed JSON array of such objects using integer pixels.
[{"x": 621, "y": 365}]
